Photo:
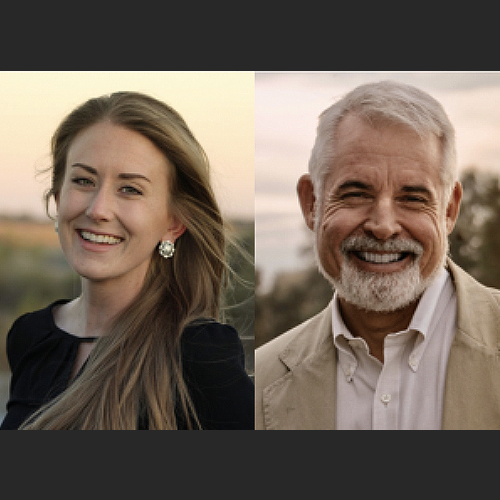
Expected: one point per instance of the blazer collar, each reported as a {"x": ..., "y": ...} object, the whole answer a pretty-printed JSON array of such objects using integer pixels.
[
  {"x": 304, "y": 398},
  {"x": 316, "y": 336},
  {"x": 476, "y": 306},
  {"x": 472, "y": 390}
]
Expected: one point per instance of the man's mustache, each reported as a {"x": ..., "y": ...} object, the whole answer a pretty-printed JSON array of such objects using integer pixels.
[{"x": 363, "y": 243}]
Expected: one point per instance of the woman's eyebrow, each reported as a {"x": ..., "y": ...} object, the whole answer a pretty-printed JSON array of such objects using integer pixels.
[
  {"x": 125, "y": 175},
  {"x": 90, "y": 170},
  {"x": 132, "y": 176}
]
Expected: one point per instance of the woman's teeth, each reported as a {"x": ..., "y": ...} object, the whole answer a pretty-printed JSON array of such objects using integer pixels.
[{"x": 100, "y": 238}]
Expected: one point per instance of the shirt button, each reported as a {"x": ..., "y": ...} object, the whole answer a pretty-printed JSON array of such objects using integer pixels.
[
  {"x": 385, "y": 398},
  {"x": 413, "y": 362}
]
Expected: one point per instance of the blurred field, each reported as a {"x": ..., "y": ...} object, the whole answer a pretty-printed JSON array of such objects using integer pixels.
[{"x": 28, "y": 233}]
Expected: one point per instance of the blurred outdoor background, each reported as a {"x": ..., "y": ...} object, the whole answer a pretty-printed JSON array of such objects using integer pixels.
[
  {"x": 289, "y": 289},
  {"x": 219, "y": 109}
]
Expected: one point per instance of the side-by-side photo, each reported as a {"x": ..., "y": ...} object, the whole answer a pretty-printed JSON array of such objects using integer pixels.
[{"x": 247, "y": 250}]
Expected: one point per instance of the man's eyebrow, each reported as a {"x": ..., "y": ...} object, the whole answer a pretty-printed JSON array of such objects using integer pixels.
[
  {"x": 418, "y": 189},
  {"x": 354, "y": 185},
  {"x": 127, "y": 176}
]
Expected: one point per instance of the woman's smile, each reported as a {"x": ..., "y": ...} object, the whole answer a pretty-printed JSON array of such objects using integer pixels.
[{"x": 99, "y": 238}]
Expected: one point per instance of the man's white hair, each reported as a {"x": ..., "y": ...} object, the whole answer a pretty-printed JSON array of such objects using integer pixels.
[{"x": 386, "y": 102}]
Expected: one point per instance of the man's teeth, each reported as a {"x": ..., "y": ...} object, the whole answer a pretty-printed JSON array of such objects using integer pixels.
[
  {"x": 380, "y": 258},
  {"x": 100, "y": 238}
]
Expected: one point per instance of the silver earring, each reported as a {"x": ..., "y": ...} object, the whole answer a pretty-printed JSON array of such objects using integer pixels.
[
  {"x": 166, "y": 249},
  {"x": 56, "y": 226}
]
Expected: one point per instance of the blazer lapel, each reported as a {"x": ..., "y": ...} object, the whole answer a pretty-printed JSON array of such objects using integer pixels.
[
  {"x": 304, "y": 398},
  {"x": 472, "y": 390}
]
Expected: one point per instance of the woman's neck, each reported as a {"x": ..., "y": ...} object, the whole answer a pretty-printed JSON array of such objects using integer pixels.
[{"x": 93, "y": 312}]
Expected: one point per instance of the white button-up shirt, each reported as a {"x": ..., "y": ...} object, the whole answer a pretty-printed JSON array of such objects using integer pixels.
[{"x": 406, "y": 391}]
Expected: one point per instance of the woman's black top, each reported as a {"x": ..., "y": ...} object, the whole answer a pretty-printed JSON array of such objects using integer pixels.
[{"x": 41, "y": 358}]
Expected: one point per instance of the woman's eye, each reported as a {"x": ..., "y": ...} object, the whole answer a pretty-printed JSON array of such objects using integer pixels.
[
  {"x": 82, "y": 181},
  {"x": 130, "y": 190}
]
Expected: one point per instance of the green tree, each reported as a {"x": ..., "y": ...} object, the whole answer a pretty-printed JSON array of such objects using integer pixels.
[{"x": 475, "y": 241}]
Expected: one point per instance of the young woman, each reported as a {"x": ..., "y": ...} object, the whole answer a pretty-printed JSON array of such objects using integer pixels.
[{"x": 141, "y": 347}]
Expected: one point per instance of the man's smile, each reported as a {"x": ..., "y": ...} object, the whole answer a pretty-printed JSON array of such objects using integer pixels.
[{"x": 380, "y": 258}]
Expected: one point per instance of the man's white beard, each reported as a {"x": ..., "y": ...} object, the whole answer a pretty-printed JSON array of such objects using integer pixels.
[{"x": 380, "y": 292}]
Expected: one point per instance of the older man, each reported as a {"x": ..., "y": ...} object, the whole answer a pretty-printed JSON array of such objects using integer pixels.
[{"x": 409, "y": 341}]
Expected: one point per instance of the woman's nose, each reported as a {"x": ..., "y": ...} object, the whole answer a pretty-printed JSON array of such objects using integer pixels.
[{"x": 100, "y": 207}]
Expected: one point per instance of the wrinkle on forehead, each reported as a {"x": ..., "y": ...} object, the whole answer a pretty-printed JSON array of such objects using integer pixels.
[{"x": 386, "y": 150}]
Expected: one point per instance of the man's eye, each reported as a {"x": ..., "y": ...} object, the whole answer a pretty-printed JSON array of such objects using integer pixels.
[
  {"x": 414, "y": 199},
  {"x": 355, "y": 194}
]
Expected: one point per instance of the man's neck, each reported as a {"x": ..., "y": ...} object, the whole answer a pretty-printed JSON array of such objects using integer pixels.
[{"x": 373, "y": 327}]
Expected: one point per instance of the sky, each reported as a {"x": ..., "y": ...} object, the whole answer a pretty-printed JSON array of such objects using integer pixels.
[
  {"x": 287, "y": 106},
  {"x": 217, "y": 106}
]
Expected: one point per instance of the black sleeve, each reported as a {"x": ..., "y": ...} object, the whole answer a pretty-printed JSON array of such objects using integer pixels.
[
  {"x": 18, "y": 342},
  {"x": 214, "y": 369}
]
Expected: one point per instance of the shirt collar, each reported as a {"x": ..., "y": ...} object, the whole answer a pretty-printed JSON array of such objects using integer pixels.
[
  {"x": 428, "y": 304},
  {"x": 420, "y": 322}
]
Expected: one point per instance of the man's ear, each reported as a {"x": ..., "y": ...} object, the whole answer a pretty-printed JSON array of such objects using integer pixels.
[
  {"x": 453, "y": 207},
  {"x": 305, "y": 191},
  {"x": 175, "y": 229}
]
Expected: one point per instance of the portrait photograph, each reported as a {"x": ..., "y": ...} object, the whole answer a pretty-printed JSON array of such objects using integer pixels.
[{"x": 126, "y": 244}]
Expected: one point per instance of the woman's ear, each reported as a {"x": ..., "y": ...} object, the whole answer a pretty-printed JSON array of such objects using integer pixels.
[
  {"x": 175, "y": 230},
  {"x": 305, "y": 191}
]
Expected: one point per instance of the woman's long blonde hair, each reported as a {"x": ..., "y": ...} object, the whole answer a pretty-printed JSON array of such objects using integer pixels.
[{"x": 136, "y": 368}]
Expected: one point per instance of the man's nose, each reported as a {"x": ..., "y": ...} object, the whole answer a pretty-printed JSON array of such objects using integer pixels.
[{"x": 382, "y": 222}]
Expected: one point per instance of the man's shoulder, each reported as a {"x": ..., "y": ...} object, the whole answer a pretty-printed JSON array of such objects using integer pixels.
[
  {"x": 494, "y": 292},
  {"x": 466, "y": 284},
  {"x": 302, "y": 340},
  {"x": 478, "y": 309}
]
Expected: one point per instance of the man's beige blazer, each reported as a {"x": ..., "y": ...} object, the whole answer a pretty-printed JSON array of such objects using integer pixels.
[{"x": 295, "y": 374}]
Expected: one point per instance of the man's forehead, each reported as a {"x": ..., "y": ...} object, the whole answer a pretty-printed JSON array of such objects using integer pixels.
[
  {"x": 358, "y": 143},
  {"x": 383, "y": 173},
  {"x": 354, "y": 133}
]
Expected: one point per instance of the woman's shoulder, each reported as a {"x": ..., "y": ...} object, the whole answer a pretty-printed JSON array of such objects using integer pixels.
[
  {"x": 209, "y": 331},
  {"x": 210, "y": 340},
  {"x": 41, "y": 318},
  {"x": 212, "y": 352},
  {"x": 30, "y": 328}
]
